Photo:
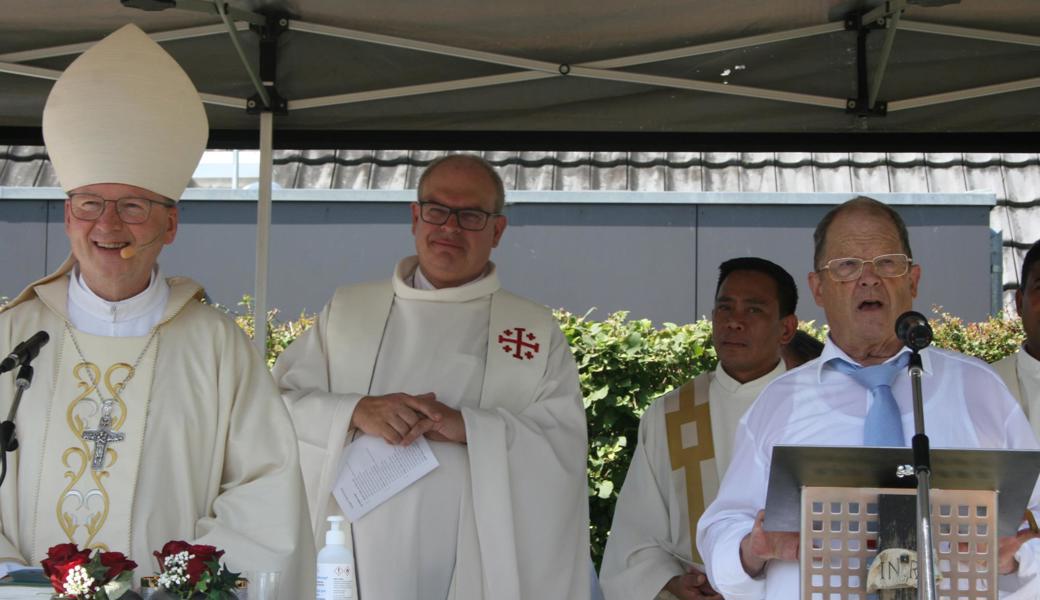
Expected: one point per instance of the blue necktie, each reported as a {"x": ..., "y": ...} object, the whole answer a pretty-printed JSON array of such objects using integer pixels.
[{"x": 883, "y": 425}]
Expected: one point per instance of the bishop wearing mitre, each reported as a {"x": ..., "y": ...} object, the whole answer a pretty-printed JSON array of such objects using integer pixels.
[{"x": 151, "y": 417}]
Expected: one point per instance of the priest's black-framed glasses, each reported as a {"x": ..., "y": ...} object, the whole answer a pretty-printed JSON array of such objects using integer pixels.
[{"x": 470, "y": 219}]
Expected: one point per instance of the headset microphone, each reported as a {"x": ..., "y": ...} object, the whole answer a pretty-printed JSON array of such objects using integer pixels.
[{"x": 130, "y": 251}]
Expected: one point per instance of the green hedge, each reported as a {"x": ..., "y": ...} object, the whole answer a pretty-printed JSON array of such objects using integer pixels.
[{"x": 624, "y": 364}]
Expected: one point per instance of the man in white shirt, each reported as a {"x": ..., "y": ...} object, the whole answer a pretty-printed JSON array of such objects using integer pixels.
[
  {"x": 864, "y": 278},
  {"x": 151, "y": 418},
  {"x": 685, "y": 439},
  {"x": 1021, "y": 370},
  {"x": 441, "y": 351}
]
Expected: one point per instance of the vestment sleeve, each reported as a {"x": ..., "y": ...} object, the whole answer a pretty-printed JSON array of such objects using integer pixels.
[
  {"x": 1025, "y": 583},
  {"x": 529, "y": 484},
  {"x": 321, "y": 418},
  {"x": 635, "y": 566},
  {"x": 731, "y": 516},
  {"x": 9, "y": 552},
  {"x": 259, "y": 514}
]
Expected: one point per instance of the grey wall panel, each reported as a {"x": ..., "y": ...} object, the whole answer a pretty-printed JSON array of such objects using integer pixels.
[
  {"x": 783, "y": 234},
  {"x": 635, "y": 258},
  {"x": 318, "y": 247},
  {"x": 57, "y": 248},
  {"x": 657, "y": 261},
  {"x": 23, "y": 234},
  {"x": 314, "y": 248}
]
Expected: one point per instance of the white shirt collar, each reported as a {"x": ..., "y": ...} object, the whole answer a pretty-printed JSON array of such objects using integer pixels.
[
  {"x": 409, "y": 283},
  {"x": 93, "y": 314},
  {"x": 831, "y": 351},
  {"x": 419, "y": 281},
  {"x": 733, "y": 386},
  {"x": 1027, "y": 364}
]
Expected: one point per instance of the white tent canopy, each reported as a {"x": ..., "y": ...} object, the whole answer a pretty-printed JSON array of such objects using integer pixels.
[
  {"x": 668, "y": 74},
  {"x": 565, "y": 69}
]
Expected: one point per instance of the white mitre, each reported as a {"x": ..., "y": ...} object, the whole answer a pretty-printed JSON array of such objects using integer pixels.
[{"x": 125, "y": 112}]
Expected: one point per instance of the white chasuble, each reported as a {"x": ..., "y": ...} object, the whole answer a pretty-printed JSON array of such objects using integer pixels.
[
  {"x": 207, "y": 452},
  {"x": 94, "y": 435},
  {"x": 1021, "y": 373},
  {"x": 684, "y": 448},
  {"x": 504, "y": 516}
]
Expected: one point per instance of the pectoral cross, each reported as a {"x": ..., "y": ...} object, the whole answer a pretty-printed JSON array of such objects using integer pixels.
[{"x": 103, "y": 435}]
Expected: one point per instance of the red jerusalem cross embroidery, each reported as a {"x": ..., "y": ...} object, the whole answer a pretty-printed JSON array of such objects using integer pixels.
[{"x": 519, "y": 342}]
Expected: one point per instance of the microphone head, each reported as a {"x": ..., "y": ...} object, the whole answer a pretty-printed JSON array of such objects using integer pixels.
[
  {"x": 33, "y": 344},
  {"x": 128, "y": 252},
  {"x": 913, "y": 329}
]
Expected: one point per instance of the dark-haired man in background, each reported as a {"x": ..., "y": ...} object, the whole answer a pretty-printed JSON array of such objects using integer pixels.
[
  {"x": 685, "y": 439},
  {"x": 802, "y": 348}
]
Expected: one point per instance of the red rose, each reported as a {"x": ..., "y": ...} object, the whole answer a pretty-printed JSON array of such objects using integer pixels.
[
  {"x": 60, "y": 572},
  {"x": 202, "y": 554},
  {"x": 116, "y": 563},
  {"x": 60, "y": 559},
  {"x": 169, "y": 549},
  {"x": 61, "y": 553}
]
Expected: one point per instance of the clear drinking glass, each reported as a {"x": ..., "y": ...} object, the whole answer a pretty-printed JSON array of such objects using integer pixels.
[{"x": 263, "y": 585}]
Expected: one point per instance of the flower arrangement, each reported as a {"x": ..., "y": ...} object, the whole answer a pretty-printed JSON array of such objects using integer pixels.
[
  {"x": 75, "y": 573},
  {"x": 191, "y": 570}
]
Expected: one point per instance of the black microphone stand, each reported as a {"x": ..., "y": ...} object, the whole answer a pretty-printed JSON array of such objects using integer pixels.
[
  {"x": 8, "y": 439},
  {"x": 923, "y": 470}
]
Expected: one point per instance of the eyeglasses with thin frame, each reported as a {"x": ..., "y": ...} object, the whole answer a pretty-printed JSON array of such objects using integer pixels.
[
  {"x": 470, "y": 219},
  {"x": 131, "y": 210},
  {"x": 885, "y": 265}
]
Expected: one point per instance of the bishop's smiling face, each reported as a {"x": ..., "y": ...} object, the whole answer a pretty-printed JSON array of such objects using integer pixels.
[
  {"x": 862, "y": 313},
  {"x": 97, "y": 244}
]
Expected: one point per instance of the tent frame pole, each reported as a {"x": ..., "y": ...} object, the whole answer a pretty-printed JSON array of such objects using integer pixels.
[
  {"x": 985, "y": 35},
  {"x": 267, "y": 102},
  {"x": 263, "y": 232},
  {"x": 894, "y": 10},
  {"x": 965, "y": 94}
]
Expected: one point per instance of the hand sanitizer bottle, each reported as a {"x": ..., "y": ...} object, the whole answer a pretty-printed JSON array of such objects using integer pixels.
[{"x": 335, "y": 565}]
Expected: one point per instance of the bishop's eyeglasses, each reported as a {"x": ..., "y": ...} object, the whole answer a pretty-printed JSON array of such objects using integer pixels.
[
  {"x": 131, "y": 210},
  {"x": 470, "y": 219},
  {"x": 885, "y": 265}
]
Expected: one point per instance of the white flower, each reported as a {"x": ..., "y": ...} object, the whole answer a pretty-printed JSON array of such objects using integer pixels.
[
  {"x": 79, "y": 583},
  {"x": 175, "y": 570}
]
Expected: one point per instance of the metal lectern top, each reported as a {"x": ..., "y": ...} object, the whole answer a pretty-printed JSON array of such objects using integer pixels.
[{"x": 1011, "y": 473}]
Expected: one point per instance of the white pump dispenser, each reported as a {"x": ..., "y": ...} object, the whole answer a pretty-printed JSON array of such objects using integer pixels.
[{"x": 335, "y": 564}]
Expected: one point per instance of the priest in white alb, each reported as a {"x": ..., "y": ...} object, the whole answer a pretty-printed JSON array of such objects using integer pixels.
[
  {"x": 686, "y": 437},
  {"x": 151, "y": 417},
  {"x": 1021, "y": 370},
  {"x": 440, "y": 350}
]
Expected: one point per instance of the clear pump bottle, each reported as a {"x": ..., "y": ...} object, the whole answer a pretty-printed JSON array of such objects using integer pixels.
[{"x": 335, "y": 564}]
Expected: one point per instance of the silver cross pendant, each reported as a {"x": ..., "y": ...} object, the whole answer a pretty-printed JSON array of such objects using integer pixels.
[{"x": 103, "y": 435}]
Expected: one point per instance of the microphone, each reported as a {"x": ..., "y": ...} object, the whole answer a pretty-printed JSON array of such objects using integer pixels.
[
  {"x": 913, "y": 330},
  {"x": 131, "y": 251},
  {"x": 25, "y": 352}
]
